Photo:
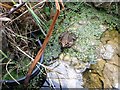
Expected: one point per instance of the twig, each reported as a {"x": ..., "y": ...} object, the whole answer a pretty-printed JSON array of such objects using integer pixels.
[
  {"x": 51, "y": 83},
  {"x": 24, "y": 53},
  {"x": 9, "y": 72},
  {"x": 14, "y": 9},
  {"x": 28, "y": 10},
  {"x": 33, "y": 59}
]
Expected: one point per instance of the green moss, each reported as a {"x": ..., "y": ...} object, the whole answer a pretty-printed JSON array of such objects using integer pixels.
[{"x": 86, "y": 23}]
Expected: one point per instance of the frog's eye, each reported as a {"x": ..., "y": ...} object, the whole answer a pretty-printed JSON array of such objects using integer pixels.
[{"x": 67, "y": 44}]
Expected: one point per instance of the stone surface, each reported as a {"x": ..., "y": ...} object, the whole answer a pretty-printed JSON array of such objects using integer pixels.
[
  {"x": 112, "y": 67},
  {"x": 64, "y": 76},
  {"x": 115, "y": 60},
  {"x": 107, "y": 52},
  {"x": 93, "y": 77},
  {"x": 75, "y": 62},
  {"x": 67, "y": 58},
  {"x": 102, "y": 75},
  {"x": 111, "y": 75},
  {"x": 105, "y": 73}
]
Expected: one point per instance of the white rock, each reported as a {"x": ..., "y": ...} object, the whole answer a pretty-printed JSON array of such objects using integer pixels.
[
  {"x": 107, "y": 52},
  {"x": 64, "y": 75},
  {"x": 117, "y": 85}
]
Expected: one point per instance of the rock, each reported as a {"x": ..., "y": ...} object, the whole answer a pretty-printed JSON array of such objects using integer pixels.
[
  {"x": 99, "y": 66},
  {"x": 111, "y": 72},
  {"x": 67, "y": 58},
  {"x": 92, "y": 80},
  {"x": 115, "y": 60},
  {"x": 104, "y": 27},
  {"x": 107, "y": 51},
  {"x": 105, "y": 73},
  {"x": 93, "y": 77},
  {"x": 81, "y": 68},
  {"x": 64, "y": 76},
  {"x": 115, "y": 45},
  {"x": 111, "y": 37},
  {"x": 61, "y": 56},
  {"x": 75, "y": 61},
  {"x": 111, "y": 75}
]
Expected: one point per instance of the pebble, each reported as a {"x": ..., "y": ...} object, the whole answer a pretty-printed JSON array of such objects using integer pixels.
[
  {"x": 67, "y": 58},
  {"x": 61, "y": 56}
]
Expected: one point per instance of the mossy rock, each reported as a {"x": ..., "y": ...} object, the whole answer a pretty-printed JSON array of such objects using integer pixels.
[{"x": 93, "y": 77}]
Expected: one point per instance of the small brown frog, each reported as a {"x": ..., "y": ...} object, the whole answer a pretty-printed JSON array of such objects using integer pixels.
[{"x": 66, "y": 39}]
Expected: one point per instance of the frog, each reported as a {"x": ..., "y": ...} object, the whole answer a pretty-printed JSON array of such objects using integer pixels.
[{"x": 67, "y": 39}]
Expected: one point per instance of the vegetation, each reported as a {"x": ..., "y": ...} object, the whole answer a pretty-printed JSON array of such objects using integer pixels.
[{"x": 23, "y": 29}]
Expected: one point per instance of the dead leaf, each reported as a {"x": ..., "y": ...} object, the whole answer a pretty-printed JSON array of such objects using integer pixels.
[{"x": 5, "y": 19}]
